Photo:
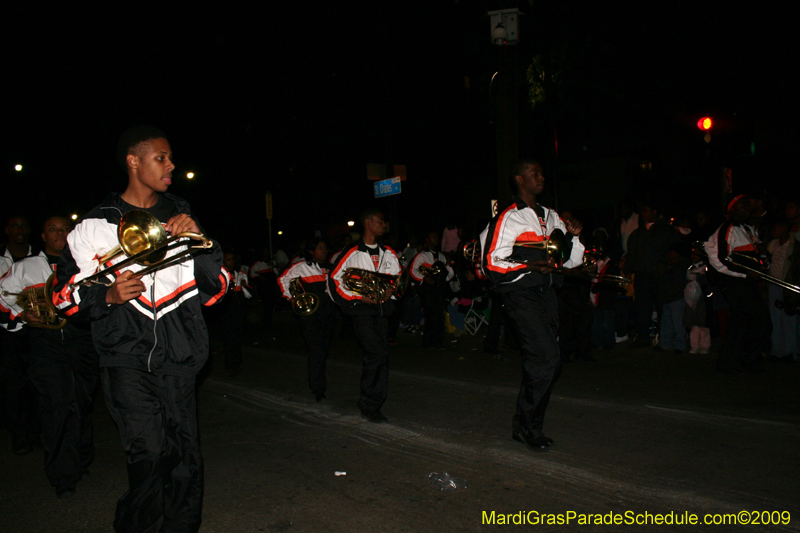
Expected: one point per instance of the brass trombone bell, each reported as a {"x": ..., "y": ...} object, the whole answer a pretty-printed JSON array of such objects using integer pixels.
[{"x": 144, "y": 241}]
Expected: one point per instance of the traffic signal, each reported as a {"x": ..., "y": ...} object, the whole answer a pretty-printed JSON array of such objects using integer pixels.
[{"x": 704, "y": 123}]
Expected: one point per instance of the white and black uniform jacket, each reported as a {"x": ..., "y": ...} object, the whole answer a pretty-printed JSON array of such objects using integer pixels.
[
  {"x": 30, "y": 273},
  {"x": 313, "y": 277},
  {"x": 730, "y": 237},
  {"x": 162, "y": 331},
  {"x": 427, "y": 258},
  {"x": 6, "y": 259},
  {"x": 519, "y": 222},
  {"x": 380, "y": 259}
]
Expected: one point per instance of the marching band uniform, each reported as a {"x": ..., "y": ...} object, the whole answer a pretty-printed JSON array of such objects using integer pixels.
[
  {"x": 62, "y": 366},
  {"x": 530, "y": 301},
  {"x": 151, "y": 349},
  {"x": 369, "y": 320},
  {"x": 318, "y": 327},
  {"x": 234, "y": 319},
  {"x": 19, "y": 409},
  {"x": 749, "y": 324},
  {"x": 432, "y": 295}
]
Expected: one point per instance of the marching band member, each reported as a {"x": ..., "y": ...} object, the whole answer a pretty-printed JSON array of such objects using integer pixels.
[
  {"x": 749, "y": 324},
  {"x": 369, "y": 316},
  {"x": 150, "y": 336},
  {"x": 18, "y": 405},
  {"x": 62, "y": 366},
  {"x": 432, "y": 289},
  {"x": 234, "y": 314},
  {"x": 317, "y": 326},
  {"x": 529, "y": 297}
]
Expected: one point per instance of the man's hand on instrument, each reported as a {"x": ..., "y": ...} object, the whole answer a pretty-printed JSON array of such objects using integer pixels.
[
  {"x": 124, "y": 289},
  {"x": 574, "y": 226},
  {"x": 182, "y": 223},
  {"x": 542, "y": 266},
  {"x": 31, "y": 317}
]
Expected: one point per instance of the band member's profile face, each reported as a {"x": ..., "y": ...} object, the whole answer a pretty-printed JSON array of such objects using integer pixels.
[
  {"x": 18, "y": 230},
  {"x": 55, "y": 234},
  {"x": 229, "y": 261},
  {"x": 649, "y": 215},
  {"x": 532, "y": 180},
  {"x": 154, "y": 169},
  {"x": 740, "y": 211},
  {"x": 320, "y": 253},
  {"x": 433, "y": 240},
  {"x": 376, "y": 224}
]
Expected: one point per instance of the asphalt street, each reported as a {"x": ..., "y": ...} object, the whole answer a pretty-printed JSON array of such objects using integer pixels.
[{"x": 637, "y": 433}]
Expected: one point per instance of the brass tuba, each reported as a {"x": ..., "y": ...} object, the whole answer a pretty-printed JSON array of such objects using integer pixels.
[
  {"x": 369, "y": 284},
  {"x": 40, "y": 301},
  {"x": 303, "y": 303},
  {"x": 144, "y": 241}
]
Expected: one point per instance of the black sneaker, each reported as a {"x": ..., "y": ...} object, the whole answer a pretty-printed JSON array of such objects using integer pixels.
[{"x": 376, "y": 417}]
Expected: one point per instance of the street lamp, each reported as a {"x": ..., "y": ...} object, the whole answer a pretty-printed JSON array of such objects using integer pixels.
[
  {"x": 189, "y": 175},
  {"x": 504, "y": 25},
  {"x": 18, "y": 168}
]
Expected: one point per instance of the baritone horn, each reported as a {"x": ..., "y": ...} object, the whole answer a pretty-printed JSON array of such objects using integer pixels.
[
  {"x": 144, "y": 241},
  {"x": 303, "y": 303},
  {"x": 369, "y": 284},
  {"x": 39, "y": 300}
]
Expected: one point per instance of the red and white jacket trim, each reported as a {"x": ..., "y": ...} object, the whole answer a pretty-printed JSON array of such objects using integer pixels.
[
  {"x": 310, "y": 275},
  {"x": 31, "y": 272}
]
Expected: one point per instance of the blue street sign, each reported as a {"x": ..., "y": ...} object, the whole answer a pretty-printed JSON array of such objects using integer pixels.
[{"x": 387, "y": 187}]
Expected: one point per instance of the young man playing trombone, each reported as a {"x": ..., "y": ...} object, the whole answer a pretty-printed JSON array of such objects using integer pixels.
[
  {"x": 150, "y": 336},
  {"x": 525, "y": 278}
]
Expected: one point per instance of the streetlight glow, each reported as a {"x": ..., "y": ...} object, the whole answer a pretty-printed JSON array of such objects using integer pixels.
[
  {"x": 18, "y": 168},
  {"x": 351, "y": 223},
  {"x": 189, "y": 175},
  {"x": 280, "y": 233},
  {"x": 74, "y": 217}
]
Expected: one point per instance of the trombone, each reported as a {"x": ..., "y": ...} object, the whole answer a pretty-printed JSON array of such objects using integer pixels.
[
  {"x": 699, "y": 249},
  {"x": 144, "y": 241},
  {"x": 555, "y": 247}
]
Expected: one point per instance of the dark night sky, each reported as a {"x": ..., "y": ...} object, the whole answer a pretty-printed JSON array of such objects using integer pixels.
[{"x": 297, "y": 100}]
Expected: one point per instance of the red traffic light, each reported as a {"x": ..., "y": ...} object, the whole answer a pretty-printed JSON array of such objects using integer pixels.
[{"x": 704, "y": 123}]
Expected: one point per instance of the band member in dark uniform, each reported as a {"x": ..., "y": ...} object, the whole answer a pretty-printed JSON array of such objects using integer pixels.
[
  {"x": 749, "y": 324},
  {"x": 150, "y": 336},
  {"x": 234, "y": 314},
  {"x": 18, "y": 400},
  {"x": 429, "y": 269},
  {"x": 369, "y": 316},
  {"x": 317, "y": 326},
  {"x": 62, "y": 365},
  {"x": 528, "y": 294}
]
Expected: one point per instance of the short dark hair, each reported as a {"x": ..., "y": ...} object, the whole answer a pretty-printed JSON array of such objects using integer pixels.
[
  {"x": 518, "y": 170},
  {"x": 132, "y": 140},
  {"x": 368, "y": 213}
]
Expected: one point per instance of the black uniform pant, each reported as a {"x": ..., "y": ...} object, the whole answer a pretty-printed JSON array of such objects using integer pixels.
[
  {"x": 234, "y": 318},
  {"x": 18, "y": 395},
  {"x": 63, "y": 368},
  {"x": 533, "y": 313},
  {"x": 372, "y": 333},
  {"x": 433, "y": 304},
  {"x": 157, "y": 420},
  {"x": 749, "y": 326},
  {"x": 317, "y": 333}
]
